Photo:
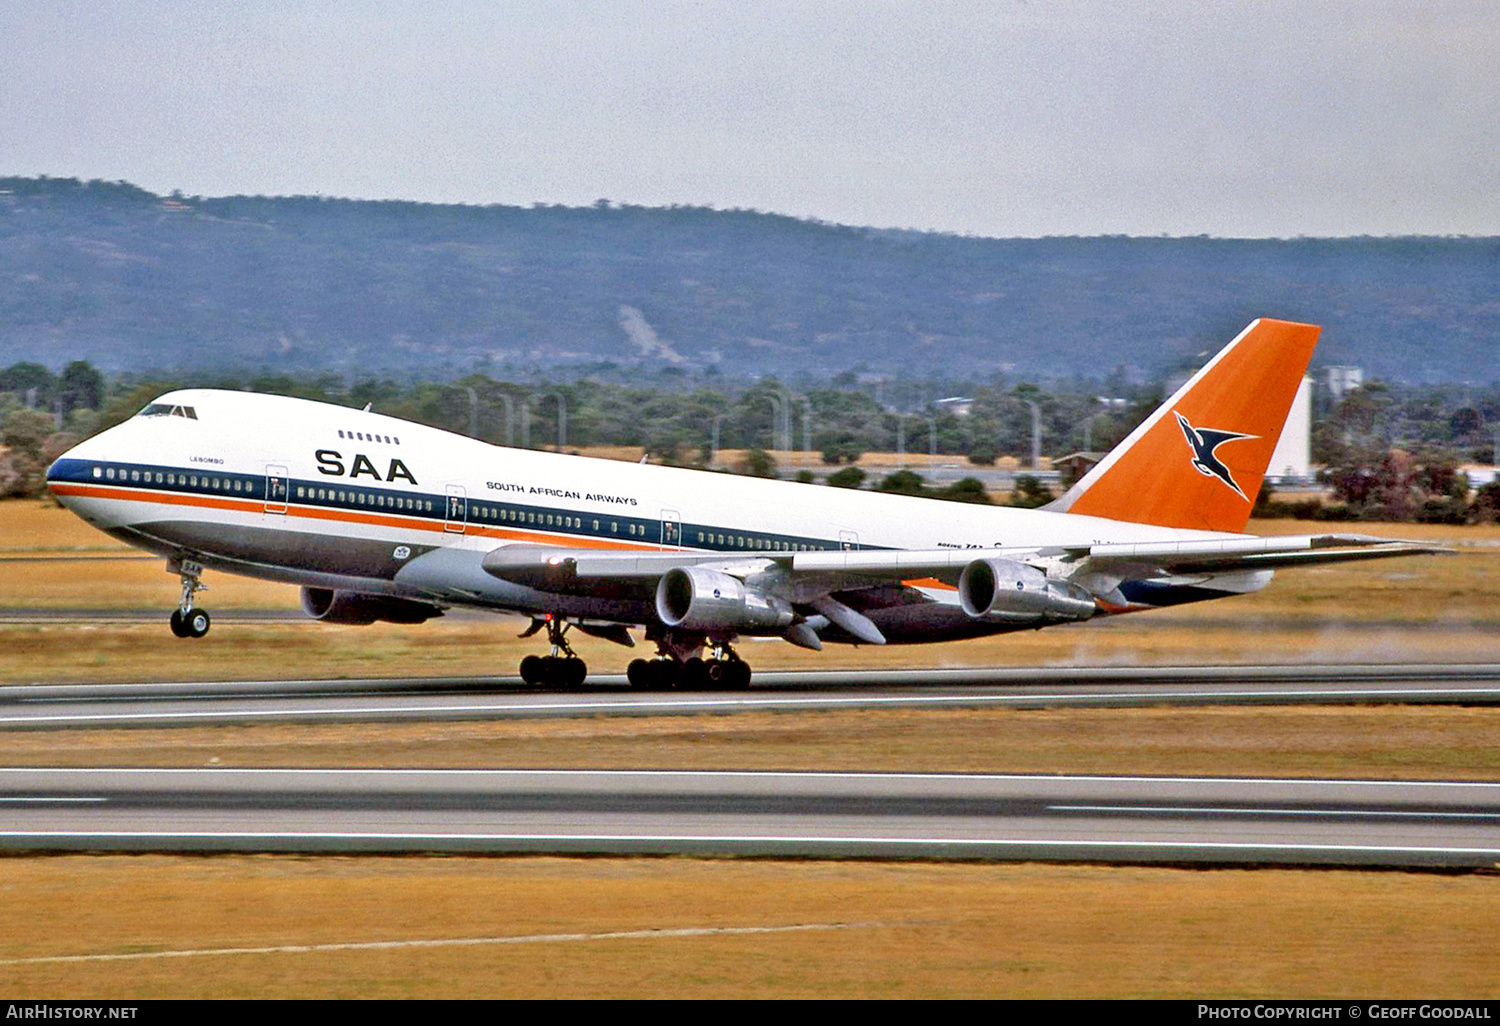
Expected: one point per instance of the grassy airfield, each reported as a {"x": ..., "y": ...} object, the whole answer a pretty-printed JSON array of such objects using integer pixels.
[
  {"x": 1431, "y": 608},
  {"x": 696, "y": 928}
]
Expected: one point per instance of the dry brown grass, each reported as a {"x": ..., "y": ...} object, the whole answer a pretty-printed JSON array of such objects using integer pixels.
[
  {"x": 919, "y": 930},
  {"x": 1349, "y": 613},
  {"x": 489, "y": 647},
  {"x": 1431, "y": 742},
  {"x": 930, "y": 929}
]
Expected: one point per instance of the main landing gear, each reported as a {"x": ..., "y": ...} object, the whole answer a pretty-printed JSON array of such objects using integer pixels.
[
  {"x": 724, "y": 670},
  {"x": 561, "y": 669},
  {"x": 680, "y": 661},
  {"x": 187, "y": 620}
]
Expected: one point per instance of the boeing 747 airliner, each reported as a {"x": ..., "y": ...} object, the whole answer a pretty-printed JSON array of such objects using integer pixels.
[{"x": 381, "y": 519}]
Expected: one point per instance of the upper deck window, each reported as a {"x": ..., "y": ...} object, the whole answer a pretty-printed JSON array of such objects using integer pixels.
[{"x": 168, "y": 410}]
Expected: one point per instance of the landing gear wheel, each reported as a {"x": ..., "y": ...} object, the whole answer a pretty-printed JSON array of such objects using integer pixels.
[
  {"x": 561, "y": 669},
  {"x": 668, "y": 674},
  {"x": 187, "y": 621},
  {"x": 726, "y": 671},
  {"x": 571, "y": 672},
  {"x": 713, "y": 674},
  {"x": 638, "y": 673},
  {"x": 196, "y": 623},
  {"x": 696, "y": 675},
  {"x": 652, "y": 674},
  {"x": 737, "y": 675}
]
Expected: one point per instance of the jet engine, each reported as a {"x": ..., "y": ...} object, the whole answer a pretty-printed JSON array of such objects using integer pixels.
[
  {"x": 703, "y": 600},
  {"x": 1005, "y": 591},
  {"x": 354, "y": 607}
]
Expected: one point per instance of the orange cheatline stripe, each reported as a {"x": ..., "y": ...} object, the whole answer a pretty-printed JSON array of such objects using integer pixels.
[
  {"x": 929, "y": 582},
  {"x": 166, "y": 498}
]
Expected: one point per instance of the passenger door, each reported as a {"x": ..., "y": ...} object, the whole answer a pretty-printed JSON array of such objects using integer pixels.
[
  {"x": 456, "y": 510},
  {"x": 278, "y": 488},
  {"x": 671, "y": 529}
]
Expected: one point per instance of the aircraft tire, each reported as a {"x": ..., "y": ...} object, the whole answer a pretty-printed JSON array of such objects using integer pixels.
[
  {"x": 532, "y": 671},
  {"x": 638, "y": 673},
  {"x": 713, "y": 675},
  {"x": 694, "y": 675},
  {"x": 196, "y": 623},
  {"x": 665, "y": 674},
  {"x": 737, "y": 675},
  {"x": 651, "y": 674},
  {"x": 178, "y": 627},
  {"x": 571, "y": 672}
]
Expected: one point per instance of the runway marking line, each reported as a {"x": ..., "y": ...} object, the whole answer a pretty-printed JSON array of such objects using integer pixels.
[
  {"x": 896, "y": 841},
  {"x": 695, "y": 705},
  {"x": 539, "y": 938},
  {"x": 1251, "y": 811},
  {"x": 379, "y": 771}
]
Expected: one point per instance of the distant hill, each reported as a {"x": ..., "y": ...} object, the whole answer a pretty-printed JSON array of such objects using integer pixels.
[{"x": 129, "y": 280}]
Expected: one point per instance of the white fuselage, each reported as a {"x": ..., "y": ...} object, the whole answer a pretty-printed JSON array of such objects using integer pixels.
[{"x": 329, "y": 497}]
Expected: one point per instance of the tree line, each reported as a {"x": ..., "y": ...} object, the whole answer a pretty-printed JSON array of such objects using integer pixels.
[{"x": 1390, "y": 452}]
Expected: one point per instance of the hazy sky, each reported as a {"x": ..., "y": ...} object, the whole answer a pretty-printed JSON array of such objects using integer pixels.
[{"x": 1012, "y": 117}]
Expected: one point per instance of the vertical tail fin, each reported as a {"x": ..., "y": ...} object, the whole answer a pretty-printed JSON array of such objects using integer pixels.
[{"x": 1198, "y": 461}]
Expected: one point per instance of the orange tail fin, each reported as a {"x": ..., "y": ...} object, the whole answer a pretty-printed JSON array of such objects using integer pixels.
[{"x": 1198, "y": 461}]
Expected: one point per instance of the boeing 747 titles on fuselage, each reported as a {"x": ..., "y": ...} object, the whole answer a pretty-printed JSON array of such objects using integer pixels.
[{"x": 381, "y": 519}]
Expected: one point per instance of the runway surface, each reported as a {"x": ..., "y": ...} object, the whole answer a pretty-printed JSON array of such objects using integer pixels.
[
  {"x": 1116, "y": 819},
  {"x": 56, "y": 706}
]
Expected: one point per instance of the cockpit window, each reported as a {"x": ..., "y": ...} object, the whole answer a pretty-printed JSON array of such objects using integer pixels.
[{"x": 168, "y": 410}]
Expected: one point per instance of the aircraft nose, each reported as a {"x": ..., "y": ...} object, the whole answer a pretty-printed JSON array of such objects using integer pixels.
[
  {"x": 56, "y": 475},
  {"x": 68, "y": 467}
]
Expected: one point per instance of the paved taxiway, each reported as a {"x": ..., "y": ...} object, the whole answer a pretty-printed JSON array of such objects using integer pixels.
[
  {"x": 1129, "y": 819},
  {"x": 191, "y": 703}
]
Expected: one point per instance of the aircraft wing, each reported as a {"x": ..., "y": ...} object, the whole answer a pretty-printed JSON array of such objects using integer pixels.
[
  {"x": 1232, "y": 554},
  {"x": 574, "y": 570},
  {"x": 810, "y": 574},
  {"x": 543, "y": 566}
]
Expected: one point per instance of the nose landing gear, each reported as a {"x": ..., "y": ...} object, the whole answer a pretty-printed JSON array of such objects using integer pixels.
[{"x": 187, "y": 620}]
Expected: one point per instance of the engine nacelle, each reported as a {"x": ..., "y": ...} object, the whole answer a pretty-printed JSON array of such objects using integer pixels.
[
  {"x": 704, "y": 600},
  {"x": 354, "y": 607},
  {"x": 1005, "y": 591}
]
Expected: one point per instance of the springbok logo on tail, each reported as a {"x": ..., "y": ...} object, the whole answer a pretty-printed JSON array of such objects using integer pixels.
[{"x": 1204, "y": 441}]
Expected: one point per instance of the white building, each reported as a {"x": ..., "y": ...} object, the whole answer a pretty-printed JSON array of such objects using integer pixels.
[
  {"x": 1340, "y": 381},
  {"x": 1292, "y": 460}
]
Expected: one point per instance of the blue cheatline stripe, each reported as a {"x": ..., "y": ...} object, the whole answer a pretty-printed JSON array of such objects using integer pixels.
[{"x": 428, "y": 506}]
